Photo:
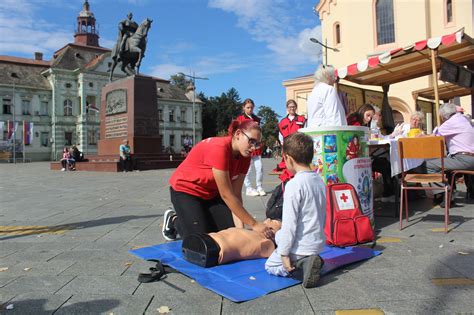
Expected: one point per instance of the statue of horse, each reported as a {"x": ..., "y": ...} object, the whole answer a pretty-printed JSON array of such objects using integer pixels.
[{"x": 135, "y": 46}]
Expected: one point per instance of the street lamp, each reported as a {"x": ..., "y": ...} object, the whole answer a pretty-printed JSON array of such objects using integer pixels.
[
  {"x": 326, "y": 47},
  {"x": 193, "y": 80},
  {"x": 14, "y": 76}
]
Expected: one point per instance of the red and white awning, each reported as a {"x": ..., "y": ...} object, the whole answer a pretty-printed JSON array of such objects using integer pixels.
[{"x": 355, "y": 72}]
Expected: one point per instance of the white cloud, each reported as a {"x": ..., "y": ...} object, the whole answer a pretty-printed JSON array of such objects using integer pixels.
[
  {"x": 21, "y": 31},
  {"x": 205, "y": 66},
  {"x": 272, "y": 22},
  {"x": 166, "y": 70}
]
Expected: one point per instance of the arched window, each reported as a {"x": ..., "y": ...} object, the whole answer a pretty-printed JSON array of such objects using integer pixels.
[
  {"x": 67, "y": 107},
  {"x": 337, "y": 33},
  {"x": 385, "y": 22},
  {"x": 449, "y": 11}
]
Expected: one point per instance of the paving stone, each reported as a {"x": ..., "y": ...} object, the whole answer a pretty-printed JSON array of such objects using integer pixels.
[
  {"x": 107, "y": 220},
  {"x": 36, "y": 303},
  {"x": 100, "y": 285},
  {"x": 338, "y": 291},
  {"x": 105, "y": 304},
  {"x": 31, "y": 284},
  {"x": 30, "y": 268},
  {"x": 181, "y": 295},
  {"x": 97, "y": 268},
  {"x": 289, "y": 301}
]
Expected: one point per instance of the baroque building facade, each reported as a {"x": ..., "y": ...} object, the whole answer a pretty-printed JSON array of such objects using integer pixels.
[{"x": 62, "y": 96}]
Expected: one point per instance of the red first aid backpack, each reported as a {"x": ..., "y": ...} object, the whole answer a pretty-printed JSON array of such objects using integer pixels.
[{"x": 345, "y": 223}]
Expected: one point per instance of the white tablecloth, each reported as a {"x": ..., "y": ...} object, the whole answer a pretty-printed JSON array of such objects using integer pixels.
[{"x": 408, "y": 164}]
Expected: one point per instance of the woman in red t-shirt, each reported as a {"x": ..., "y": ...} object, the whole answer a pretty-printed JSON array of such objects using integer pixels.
[
  {"x": 206, "y": 188},
  {"x": 362, "y": 116}
]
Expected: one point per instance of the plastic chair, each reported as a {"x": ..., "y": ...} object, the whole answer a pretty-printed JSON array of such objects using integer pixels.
[
  {"x": 453, "y": 178},
  {"x": 422, "y": 148}
]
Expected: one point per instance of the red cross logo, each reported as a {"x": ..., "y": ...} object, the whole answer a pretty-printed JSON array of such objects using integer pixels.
[{"x": 344, "y": 197}]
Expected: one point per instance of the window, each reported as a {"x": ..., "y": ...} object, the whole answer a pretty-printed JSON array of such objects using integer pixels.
[
  {"x": 160, "y": 115},
  {"x": 7, "y": 105},
  {"x": 44, "y": 108},
  {"x": 449, "y": 11},
  {"x": 92, "y": 137},
  {"x": 25, "y": 107},
  {"x": 183, "y": 115},
  {"x": 195, "y": 117},
  {"x": 67, "y": 107},
  {"x": 68, "y": 138},
  {"x": 171, "y": 115},
  {"x": 44, "y": 139},
  {"x": 171, "y": 140},
  {"x": 384, "y": 21},
  {"x": 337, "y": 33}
]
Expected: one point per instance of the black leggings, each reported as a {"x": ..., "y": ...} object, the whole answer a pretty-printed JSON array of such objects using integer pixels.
[{"x": 196, "y": 215}]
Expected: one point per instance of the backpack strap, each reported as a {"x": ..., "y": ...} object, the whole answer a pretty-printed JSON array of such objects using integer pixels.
[{"x": 156, "y": 273}]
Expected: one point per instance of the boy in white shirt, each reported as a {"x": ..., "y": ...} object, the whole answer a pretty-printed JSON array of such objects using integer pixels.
[{"x": 301, "y": 237}]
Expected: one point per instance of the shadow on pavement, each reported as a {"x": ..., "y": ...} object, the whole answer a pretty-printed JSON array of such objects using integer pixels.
[
  {"x": 37, "y": 306},
  {"x": 59, "y": 229}
]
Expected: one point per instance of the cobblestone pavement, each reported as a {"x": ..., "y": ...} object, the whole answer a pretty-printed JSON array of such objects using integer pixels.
[{"x": 64, "y": 238}]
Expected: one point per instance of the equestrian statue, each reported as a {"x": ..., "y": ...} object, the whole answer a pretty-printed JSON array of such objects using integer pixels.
[{"x": 130, "y": 47}]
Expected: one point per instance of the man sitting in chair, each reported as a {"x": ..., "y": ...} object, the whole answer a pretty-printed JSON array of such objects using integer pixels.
[{"x": 458, "y": 134}]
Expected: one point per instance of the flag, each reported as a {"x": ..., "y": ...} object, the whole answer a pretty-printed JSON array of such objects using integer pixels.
[
  {"x": 27, "y": 132},
  {"x": 11, "y": 129},
  {"x": 92, "y": 108}
]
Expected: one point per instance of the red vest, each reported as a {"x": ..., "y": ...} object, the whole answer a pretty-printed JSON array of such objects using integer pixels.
[
  {"x": 255, "y": 118},
  {"x": 288, "y": 127}
]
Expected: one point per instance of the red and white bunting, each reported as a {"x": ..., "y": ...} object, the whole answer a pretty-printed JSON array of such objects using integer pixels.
[{"x": 372, "y": 62}]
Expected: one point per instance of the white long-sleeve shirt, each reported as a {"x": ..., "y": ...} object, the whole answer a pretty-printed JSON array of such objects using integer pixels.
[
  {"x": 304, "y": 216},
  {"x": 325, "y": 107}
]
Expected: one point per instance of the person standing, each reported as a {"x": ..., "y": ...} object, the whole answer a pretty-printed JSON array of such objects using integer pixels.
[
  {"x": 324, "y": 106},
  {"x": 289, "y": 125},
  {"x": 256, "y": 160},
  {"x": 125, "y": 156},
  {"x": 206, "y": 188}
]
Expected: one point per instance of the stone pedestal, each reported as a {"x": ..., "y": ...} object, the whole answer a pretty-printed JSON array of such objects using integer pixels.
[{"x": 129, "y": 111}]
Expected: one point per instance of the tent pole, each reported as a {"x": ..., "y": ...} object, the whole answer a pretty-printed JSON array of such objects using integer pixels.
[{"x": 435, "y": 85}]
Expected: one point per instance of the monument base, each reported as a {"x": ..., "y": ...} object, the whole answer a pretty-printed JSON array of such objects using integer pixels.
[{"x": 128, "y": 111}]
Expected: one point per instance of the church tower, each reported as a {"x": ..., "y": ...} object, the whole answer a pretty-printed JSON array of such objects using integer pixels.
[{"x": 86, "y": 33}]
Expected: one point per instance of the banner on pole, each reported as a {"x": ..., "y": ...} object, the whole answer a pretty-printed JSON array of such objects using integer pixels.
[
  {"x": 27, "y": 133},
  {"x": 11, "y": 129}
]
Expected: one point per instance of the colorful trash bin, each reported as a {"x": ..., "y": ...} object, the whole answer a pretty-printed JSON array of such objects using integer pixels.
[{"x": 341, "y": 155}]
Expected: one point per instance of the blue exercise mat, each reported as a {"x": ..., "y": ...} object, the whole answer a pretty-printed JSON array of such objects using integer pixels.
[{"x": 245, "y": 280}]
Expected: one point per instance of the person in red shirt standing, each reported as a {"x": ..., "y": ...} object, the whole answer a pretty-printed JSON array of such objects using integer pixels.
[
  {"x": 248, "y": 115},
  {"x": 289, "y": 125},
  {"x": 206, "y": 188}
]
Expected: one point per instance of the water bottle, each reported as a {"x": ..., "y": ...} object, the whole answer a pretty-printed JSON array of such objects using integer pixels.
[{"x": 374, "y": 129}]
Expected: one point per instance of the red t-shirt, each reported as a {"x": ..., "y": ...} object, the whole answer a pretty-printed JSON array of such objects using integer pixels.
[{"x": 194, "y": 175}]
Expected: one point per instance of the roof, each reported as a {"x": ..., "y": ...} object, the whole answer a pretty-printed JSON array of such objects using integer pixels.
[
  {"x": 73, "y": 56},
  {"x": 410, "y": 62},
  {"x": 165, "y": 90},
  {"x": 19, "y": 60},
  {"x": 29, "y": 74},
  {"x": 446, "y": 91}
]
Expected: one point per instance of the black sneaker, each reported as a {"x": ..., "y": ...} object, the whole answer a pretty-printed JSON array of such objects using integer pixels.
[
  {"x": 169, "y": 231},
  {"x": 310, "y": 267}
]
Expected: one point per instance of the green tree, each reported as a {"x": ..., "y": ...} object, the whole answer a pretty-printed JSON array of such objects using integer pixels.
[
  {"x": 180, "y": 81},
  {"x": 219, "y": 111},
  {"x": 269, "y": 125}
]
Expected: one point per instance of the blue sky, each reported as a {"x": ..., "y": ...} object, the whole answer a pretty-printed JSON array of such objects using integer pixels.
[{"x": 251, "y": 45}]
